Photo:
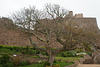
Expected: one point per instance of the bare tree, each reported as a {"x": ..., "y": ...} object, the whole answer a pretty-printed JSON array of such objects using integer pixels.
[
  {"x": 26, "y": 18},
  {"x": 50, "y": 29},
  {"x": 55, "y": 10}
]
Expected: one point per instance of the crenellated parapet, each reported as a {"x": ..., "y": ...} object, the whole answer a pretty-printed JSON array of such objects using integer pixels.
[
  {"x": 87, "y": 23},
  {"x": 80, "y": 15}
]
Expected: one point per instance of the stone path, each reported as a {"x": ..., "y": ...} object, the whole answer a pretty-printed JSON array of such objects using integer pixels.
[{"x": 88, "y": 65}]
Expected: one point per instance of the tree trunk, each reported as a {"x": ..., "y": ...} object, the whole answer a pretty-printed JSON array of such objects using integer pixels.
[{"x": 51, "y": 59}]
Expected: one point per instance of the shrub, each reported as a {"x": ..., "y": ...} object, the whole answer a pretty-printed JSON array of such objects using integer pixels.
[
  {"x": 16, "y": 60},
  {"x": 0, "y": 65},
  {"x": 44, "y": 53},
  {"x": 8, "y": 47},
  {"x": 4, "y": 59},
  {"x": 1, "y": 46},
  {"x": 46, "y": 64},
  {"x": 79, "y": 50},
  {"x": 55, "y": 61},
  {"x": 64, "y": 54},
  {"x": 71, "y": 53},
  {"x": 37, "y": 52},
  {"x": 24, "y": 63},
  {"x": 59, "y": 54},
  {"x": 17, "y": 48},
  {"x": 56, "y": 65},
  {"x": 30, "y": 52},
  {"x": 89, "y": 53},
  {"x": 5, "y": 51},
  {"x": 34, "y": 52},
  {"x": 10, "y": 64},
  {"x": 27, "y": 49}
]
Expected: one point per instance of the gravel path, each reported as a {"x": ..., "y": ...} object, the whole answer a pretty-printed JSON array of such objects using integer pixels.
[{"x": 88, "y": 65}]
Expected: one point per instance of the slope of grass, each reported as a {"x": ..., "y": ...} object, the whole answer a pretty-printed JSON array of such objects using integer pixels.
[
  {"x": 63, "y": 64},
  {"x": 33, "y": 65},
  {"x": 67, "y": 58}
]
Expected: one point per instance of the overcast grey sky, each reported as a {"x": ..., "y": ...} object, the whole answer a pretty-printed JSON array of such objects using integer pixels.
[{"x": 89, "y": 8}]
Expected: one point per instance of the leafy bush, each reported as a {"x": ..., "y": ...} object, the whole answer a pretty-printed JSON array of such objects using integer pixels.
[
  {"x": 16, "y": 61},
  {"x": 27, "y": 49},
  {"x": 5, "y": 51},
  {"x": 8, "y": 47},
  {"x": 64, "y": 54},
  {"x": 89, "y": 53},
  {"x": 69, "y": 54},
  {"x": 59, "y": 55},
  {"x": 56, "y": 65},
  {"x": 1, "y": 46},
  {"x": 4, "y": 59},
  {"x": 0, "y": 65},
  {"x": 14, "y": 49},
  {"x": 55, "y": 61},
  {"x": 24, "y": 63},
  {"x": 46, "y": 64},
  {"x": 20, "y": 49},
  {"x": 30, "y": 52},
  {"x": 34, "y": 52},
  {"x": 44, "y": 53},
  {"x": 79, "y": 50},
  {"x": 10, "y": 64},
  {"x": 17, "y": 48}
]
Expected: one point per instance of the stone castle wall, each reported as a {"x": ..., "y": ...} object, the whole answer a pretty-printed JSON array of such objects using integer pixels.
[
  {"x": 82, "y": 22},
  {"x": 86, "y": 23}
]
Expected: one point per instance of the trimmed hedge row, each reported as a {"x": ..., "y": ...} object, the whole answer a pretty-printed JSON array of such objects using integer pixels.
[
  {"x": 13, "y": 47},
  {"x": 31, "y": 51},
  {"x": 19, "y": 49}
]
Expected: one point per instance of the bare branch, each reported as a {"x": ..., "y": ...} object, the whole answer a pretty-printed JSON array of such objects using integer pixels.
[
  {"x": 35, "y": 46},
  {"x": 60, "y": 41}
]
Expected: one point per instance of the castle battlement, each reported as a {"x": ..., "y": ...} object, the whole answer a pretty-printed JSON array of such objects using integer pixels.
[
  {"x": 80, "y": 15},
  {"x": 87, "y": 23}
]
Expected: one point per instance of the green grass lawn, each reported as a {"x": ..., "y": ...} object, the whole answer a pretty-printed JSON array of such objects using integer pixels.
[
  {"x": 63, "y": 64},
  {"x": 33, "y": 65},
  {"x": 67, "y": 58}
]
